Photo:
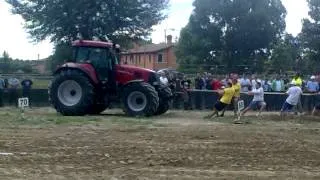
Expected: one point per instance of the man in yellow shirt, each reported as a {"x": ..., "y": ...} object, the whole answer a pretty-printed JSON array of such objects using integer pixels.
[
  {"x": 227, "y": 95},
  {"x": 297, "y": 80},
  {"x": 237, "y": 87}
]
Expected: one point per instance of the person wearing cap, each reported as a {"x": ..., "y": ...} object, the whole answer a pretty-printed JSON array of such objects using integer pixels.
[
  {"x": 312, "y": 85},
  {"x": 227, "y": 95},
  {"x": 293, "y": 99}
]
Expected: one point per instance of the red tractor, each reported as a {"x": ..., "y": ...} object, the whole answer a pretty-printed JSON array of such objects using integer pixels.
[{"x": 94, "y": 78}]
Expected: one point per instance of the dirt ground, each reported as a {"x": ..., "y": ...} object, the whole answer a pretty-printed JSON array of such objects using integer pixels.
[{"x": 40, "y": 144}]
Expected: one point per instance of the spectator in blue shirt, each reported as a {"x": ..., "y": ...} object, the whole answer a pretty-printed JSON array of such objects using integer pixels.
[
  {"x": 26, "y": 87},
  {"x": 312, "y": 85}
]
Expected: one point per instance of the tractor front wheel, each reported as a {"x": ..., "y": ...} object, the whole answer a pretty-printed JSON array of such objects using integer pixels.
[
  {"x": 165, "y": 95},
  {"x": 140, "y": 99}
]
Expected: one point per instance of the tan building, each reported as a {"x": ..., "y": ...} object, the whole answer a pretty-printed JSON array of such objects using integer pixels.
[{"x": 152, "y": 56}]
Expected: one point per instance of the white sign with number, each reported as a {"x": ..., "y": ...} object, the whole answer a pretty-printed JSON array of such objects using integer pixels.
[
  {"x": 240, "y": 105},
  {"x": 23, "y": 102}
]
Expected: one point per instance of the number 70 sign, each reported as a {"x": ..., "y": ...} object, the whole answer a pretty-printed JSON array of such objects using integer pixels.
[{"x": 23, "y": 102}]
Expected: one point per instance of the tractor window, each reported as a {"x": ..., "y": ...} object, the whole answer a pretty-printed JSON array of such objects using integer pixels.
[
  {"x": 99, "y": 57},
  {"x": 82, "y": 54}
]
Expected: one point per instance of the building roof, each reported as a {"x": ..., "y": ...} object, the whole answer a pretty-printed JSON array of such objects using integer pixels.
[{"x": 149, "y": 48}]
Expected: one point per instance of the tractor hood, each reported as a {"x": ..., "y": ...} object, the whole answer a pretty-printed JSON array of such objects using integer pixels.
[
  {"x": 127, "y": 73},
  {"x": 134, "y": 68}
]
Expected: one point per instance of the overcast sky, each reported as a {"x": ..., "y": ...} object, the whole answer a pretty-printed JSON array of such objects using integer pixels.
[{"x": 16, "y": 41}]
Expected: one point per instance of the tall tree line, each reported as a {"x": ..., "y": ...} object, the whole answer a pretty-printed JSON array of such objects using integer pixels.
[
  {"x": 248, "y": 35},
  {"x": 9, "y": 65},
  {"x": 231, "y": 34},
  {"x": 310, "y": 38}
]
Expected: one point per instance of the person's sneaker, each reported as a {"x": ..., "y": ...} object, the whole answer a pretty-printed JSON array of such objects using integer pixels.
[
  {"x": 259, "y": 116},
  {"x": 237, "y": 121}
]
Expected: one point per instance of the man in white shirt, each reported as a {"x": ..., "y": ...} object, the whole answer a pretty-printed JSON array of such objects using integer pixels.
[
  {"x": 257, "y": 101},
  {"x": 245, "y": 84},
  {"x": 294, "y": 93}
]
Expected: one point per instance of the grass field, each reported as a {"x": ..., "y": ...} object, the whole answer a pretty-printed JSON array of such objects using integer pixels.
[
  {"x": 40, "y": 84},
  {"x": 41, "y": 144}
]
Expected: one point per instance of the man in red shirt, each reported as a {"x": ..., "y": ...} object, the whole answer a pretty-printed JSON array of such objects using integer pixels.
[{"x": 216, "y": 84}]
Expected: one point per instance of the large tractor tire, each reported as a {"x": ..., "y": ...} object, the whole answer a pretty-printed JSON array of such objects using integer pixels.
[
  {"x": 165, "y": 95},
  {"x": 140, "y": 99},
  {"x": 71, "y": 93}
]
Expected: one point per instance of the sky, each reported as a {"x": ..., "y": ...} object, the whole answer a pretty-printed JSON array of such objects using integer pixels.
[{"x": 15, "y": 40}]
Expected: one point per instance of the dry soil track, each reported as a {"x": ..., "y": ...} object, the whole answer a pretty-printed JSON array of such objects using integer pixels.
[{"x": 179, "y": 145}]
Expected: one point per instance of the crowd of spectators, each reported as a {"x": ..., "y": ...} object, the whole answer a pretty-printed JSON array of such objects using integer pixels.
[
  {"x": 181, "y": 84},
  {"x": 277, "y": 83},
  {"x": 11, "y": 86}
]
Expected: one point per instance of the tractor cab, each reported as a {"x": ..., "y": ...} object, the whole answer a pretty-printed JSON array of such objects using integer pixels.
[{"x": 102, "y": 55}]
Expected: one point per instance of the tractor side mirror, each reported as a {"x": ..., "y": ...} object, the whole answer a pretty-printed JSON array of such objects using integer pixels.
[
  {"x": 117, "y": 51},
  {"x": 116, "y": 48}
]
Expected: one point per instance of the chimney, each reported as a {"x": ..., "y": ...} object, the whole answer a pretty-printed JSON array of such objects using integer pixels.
[{"x": 169, "y": 39}]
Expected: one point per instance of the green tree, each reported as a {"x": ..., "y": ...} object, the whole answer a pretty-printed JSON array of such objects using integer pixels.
[
  {"x": 62, "y": 53},
  {"x": 20, "y": 65},
  {"x": 310, "y": 37},
  {"x": 62, "y": 20},
  {"x": 8, "y": 65},
  {"x": 284, "y": 54},
  {"x": 5, "y": 62},
  {"x": 233, "y": 33}
]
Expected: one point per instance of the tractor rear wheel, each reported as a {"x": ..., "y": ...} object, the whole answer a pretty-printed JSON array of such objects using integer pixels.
[
  {"x": 165, "y": 95},
  {"x": 140, "y": 99},
  {"x": 71, "y": 93}
]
